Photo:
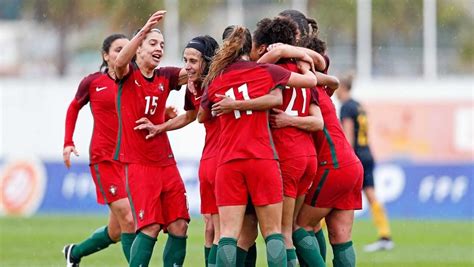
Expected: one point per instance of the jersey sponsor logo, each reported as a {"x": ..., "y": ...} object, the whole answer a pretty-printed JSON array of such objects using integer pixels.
[
  {"x": 141, "y": 214},
  {"x": 98, "y": 89},
  {"x": 136, "y": 82},
  {"x": 22, "y": 187},
  {"x": 197, "y": 97},
  {"x": 161, "y": 87}
]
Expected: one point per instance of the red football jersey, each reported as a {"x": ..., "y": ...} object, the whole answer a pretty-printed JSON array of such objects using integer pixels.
[
  {"x": 100, "y": 90},
  {"x": 292, "y": 142},
  {"x": 245, "y": 134},
  {"x": 333, "y": 149},
  {"x": 139, "y": 97},
  {"x": 191, "y": 101}
]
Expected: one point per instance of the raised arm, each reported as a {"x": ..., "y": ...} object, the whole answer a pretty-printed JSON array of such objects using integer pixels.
[{"x": 128, "y": 52}]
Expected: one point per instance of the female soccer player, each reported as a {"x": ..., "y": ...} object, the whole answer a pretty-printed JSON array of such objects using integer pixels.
[
  {"x": 295, "y": 147},
  {"x": 100, "y": 89},
  {"x": 355, "y": 126},
  {"x": 156, "y": 190},
  {"x": 247, "y": 162},
  {"x": 336, "y": 191},
  {"x": 197, "y": 57}
]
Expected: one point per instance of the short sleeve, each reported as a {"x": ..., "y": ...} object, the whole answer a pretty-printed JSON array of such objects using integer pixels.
[
  {"x": 280, "y": 76},
  {"x": 172, "y": 74},
  {"x": 205, "y": 102},
  {"x": 314, "y": 96},
  {"x": 188, "y": 102}
]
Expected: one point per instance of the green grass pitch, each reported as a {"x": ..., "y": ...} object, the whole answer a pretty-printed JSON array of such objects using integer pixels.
[{"x": 38, "y": 241}]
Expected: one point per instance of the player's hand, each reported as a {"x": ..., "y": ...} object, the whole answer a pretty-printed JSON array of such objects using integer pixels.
[
  {"x": 305, "y": 64},
  {"x": 171, "y": 112},
  {"x": 153, "y": 20},
  {"x": 223, "y": 106},
  {"x": 279, "y": 119},
  {"x": 146, "y": 124},
  {"x": 67, "y": 155}
]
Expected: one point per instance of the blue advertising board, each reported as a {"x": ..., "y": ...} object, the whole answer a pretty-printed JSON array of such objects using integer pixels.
[{"x": 408, "y": 190}]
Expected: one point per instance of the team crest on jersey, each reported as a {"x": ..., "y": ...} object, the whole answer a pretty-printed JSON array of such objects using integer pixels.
[
  {"x": 113, "y": 190},
  {"x": 141, "y": 214},
  {"x": 161, "y": 87}
]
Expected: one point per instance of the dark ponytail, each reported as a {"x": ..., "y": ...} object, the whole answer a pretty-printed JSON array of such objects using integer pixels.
[{"x": 106, "y": 44}]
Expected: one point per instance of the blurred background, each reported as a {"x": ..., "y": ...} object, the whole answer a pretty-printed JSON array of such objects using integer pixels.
[{"x": 414, "y": 65}]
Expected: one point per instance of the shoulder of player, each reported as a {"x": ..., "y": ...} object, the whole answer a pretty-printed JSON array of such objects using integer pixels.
[
  {"x": 88, "y": 80},
  {"x": 167, "y": 71}
]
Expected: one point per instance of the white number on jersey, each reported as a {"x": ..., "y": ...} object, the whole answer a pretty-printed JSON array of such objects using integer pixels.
[
  {"x": 151, "y": 104},
  {"x": 290, "y": 109},
  {"x": 245, "y": 94}
]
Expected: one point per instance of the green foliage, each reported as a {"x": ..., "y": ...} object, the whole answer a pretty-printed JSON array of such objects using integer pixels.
[{"x": 336, "y": 19}]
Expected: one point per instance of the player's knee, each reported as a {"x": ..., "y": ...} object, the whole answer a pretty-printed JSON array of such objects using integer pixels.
[
  {"x": 209, "y": 230},
  {"x": 338, "y": 235},
  {"x": 178, "y": 227},
  {"x": 114, "y": 233},
  {"x": 151, "y": 230}
]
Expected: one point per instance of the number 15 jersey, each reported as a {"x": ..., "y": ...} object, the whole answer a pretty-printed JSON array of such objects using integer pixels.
[
  {"x": 245, "y": 134},
  {"x": 139, "y": 97}
]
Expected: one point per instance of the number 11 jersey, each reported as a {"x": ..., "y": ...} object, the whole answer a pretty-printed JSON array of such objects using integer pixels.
[{"x": 245, "y": 134}]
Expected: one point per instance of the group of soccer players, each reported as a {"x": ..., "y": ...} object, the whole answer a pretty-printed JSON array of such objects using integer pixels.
[{"x": 275, "y": 155}]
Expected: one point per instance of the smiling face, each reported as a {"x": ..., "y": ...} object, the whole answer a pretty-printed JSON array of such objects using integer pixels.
[
  {"x": 194, "y": 64},
  {"x": 151, "y": 50}
]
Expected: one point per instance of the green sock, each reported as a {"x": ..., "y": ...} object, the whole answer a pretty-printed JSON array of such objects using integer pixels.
[
  {"x": 141, "y": 250},
  {"x": 321, "y": 242},
  {"x": 344, "y": 255},
  {"x": 251, "y": 259},
  {"x": 291, "y": 257},
  {"x": 301, "y": 261},
  {"x": 206, "y": 255},
  {"x": 127, "y": 240},
  {"x": 212, "y": 256},
  {"x": 276, "y": 251},
  {"x": 307, "y": 247},
  {"x": 175, "y": 251},
  {"x": 99, "y": 240},
  {"x": 241, "y": 255},
  {"x": 227, "y": 252}
]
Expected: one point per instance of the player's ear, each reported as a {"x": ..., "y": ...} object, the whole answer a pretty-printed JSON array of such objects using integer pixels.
[
  {"x": 262, "y": 49},
  {"x": 105, "y": 57}
]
